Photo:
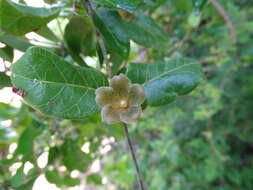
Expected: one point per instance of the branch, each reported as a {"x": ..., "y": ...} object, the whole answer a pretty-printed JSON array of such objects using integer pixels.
[
  {"x": 99, "y": 39},
  {"x": 226, "y": 18},
  {"x": 134, "y": 157}
]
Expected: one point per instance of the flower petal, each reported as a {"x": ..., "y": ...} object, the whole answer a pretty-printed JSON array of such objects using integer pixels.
[
  {"x": 110, "y": 115},
  {"x": 130, "y": 115},
  {"x": 120, "y": 84},
  {"x": 104, "y": 96},
  {"x": 136, "y": 95}
]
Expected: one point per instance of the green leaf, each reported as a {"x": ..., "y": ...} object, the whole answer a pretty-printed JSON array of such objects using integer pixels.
[
  {"x": 25, "y": 143},
  {"x": 128, "y": 5},
  {"x": 7, "y": 112},
  {"x": 194, "y": 19},
  {"x": 113, "y": 31},
  {"x": 94, "y": 179},
  {"x": 69, "y": 181},
  {"x": 21, "y": 181},
  {"x": 6, "y": 53},
  {"x": 52, "y": 176},
  {"x": 4, "y": 80},
  {"x": 116, "y": 62},
  {"x": 15, "y": 42},
  {"x": 79, "y": 36},
  {"x": 145, "y": 31},
  {"x": 164, "y": 81},
  {"x": 80, "y": 39},
  {"x": 198, "y": 5},
  {"x": 54, "y": 154},
  {"x": 74, "y": 158},
  {"x": 47, "y": 33},
  {"x": 56, "y": 87},
  {"x": 19, "y": 19},
  {"x": 18, "y": 178}
]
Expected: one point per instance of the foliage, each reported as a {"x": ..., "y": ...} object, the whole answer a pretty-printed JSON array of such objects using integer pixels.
[{"x": 201, "y": 141}]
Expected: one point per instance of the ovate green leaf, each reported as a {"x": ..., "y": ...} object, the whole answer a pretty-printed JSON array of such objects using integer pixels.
[
  {"x": 164, "y": 81},
  {"x": 113, "y": 31},
  {"x": 56, "y": 87}
]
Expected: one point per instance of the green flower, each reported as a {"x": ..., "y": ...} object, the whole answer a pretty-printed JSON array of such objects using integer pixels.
[{"x": 121, "y": 102}]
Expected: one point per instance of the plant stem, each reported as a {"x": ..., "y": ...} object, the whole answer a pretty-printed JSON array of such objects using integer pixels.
[
  {"x": 226, "y": 18},
  {"x": 134, "y": 157},
  {"x": 99, "y": 39}
]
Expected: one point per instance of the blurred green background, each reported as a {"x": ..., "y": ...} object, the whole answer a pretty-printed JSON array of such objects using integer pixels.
[{"x": 203, "y": 141}]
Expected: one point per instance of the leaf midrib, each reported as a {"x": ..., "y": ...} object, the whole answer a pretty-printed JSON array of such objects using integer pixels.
[{"x": 51, "y": 82}]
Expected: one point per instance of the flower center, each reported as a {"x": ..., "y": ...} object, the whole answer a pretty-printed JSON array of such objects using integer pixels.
[{"x": 123, "y": 104}]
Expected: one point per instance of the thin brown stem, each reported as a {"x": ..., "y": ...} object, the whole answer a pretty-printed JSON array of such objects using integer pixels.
[
  {"x": 99, "y": 39},
  {"x": 141, "y": 184},
  {"x": 226, "y": 18}
]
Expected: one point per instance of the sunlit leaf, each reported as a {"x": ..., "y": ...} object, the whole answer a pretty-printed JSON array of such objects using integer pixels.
[{"x": 56, "y": 87}]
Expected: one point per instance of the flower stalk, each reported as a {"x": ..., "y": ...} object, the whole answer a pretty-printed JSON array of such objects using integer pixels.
[{"x": 138, "y": 172}]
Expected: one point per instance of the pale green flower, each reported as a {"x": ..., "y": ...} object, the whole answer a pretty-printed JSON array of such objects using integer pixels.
[{"x": 121, "y": 101}]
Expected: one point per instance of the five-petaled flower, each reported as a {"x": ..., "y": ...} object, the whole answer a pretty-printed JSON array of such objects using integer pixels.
[{"x": 121, "y": 101}]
